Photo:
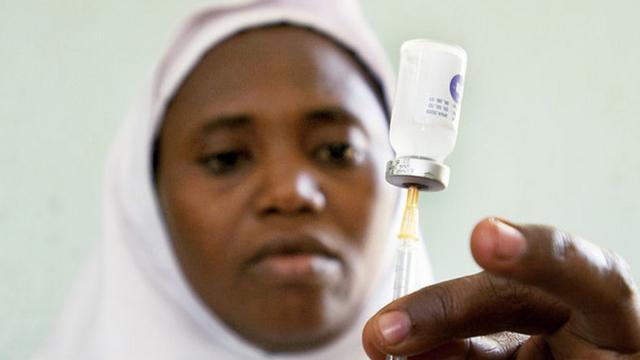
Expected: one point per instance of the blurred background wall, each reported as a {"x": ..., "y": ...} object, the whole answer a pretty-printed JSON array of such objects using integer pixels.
[{"x": 549, "y": 128}]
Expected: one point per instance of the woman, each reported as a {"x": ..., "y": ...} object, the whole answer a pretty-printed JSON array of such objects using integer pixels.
[
  {"x": 247, "y": 218},
  {"x": 247, "y": 214}
]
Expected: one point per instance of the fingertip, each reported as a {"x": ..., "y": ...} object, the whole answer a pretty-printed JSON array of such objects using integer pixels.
[
  {"x": 497, "y": 242},
  {"x": 370, "y": 340},
  {"x": 393, "y": 326},
  {"x": 482, "y": 241}
]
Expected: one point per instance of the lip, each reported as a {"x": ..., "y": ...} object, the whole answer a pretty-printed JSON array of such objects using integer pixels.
[{"x": 296, "y": 260}]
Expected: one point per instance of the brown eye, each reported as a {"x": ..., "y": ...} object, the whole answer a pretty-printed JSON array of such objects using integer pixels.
[
  {"x": 226, "y": 162},
  {"x": 339, "y": 154}
]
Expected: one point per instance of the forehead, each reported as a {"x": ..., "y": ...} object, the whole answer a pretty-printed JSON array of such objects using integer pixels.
[{"x": 264, "y": 69}]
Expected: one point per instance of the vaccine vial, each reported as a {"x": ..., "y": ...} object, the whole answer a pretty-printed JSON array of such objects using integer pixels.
[{"x": 426, "y": 113}]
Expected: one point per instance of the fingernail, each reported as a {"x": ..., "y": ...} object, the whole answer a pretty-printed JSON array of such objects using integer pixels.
[
  {"x": 511, "y": 244},
  {"x": 394, "y": 326}
]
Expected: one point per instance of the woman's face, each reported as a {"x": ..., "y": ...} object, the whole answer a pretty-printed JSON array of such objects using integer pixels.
[{"x": 270, "y": 179}]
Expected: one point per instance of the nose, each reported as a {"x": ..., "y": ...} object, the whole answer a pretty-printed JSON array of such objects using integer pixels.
[{"x": 289, "y": 189}]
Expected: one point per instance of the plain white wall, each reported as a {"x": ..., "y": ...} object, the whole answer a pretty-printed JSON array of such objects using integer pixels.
[{"x": 548, "y": 133}]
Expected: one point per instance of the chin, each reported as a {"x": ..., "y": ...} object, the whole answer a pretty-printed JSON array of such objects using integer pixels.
[{"x": 299, "y": 319}]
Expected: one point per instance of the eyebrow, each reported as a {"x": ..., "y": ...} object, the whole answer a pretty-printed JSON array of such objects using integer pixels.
[
  {"x": 330, "y": 115},
  {"x": 226, "y": 122}
]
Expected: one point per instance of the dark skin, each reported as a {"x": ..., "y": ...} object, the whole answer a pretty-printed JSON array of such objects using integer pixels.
[
  {"x": 271, "y": 183},
  {"x": 572, "y": 299}
]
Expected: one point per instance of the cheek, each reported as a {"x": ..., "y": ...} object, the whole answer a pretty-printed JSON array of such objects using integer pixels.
[
  {"x": 368, "y": 211},
  {"x": 201, "y": 225},
  {"x": 362, "y": 204}
]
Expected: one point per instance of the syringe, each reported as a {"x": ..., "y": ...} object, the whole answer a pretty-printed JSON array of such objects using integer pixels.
[
  {"x": 424, "y": 126},
  {"x": 408, "y": 239}
]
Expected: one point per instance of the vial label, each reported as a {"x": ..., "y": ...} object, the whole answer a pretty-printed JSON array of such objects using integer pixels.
[
  {"x": 455, "y": 87},
  {"x": 440, "y": 107},
  {"x": 440, "y": 85}
]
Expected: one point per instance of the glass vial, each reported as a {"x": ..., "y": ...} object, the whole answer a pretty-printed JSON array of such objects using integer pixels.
[{"x": 426, "y": 111}]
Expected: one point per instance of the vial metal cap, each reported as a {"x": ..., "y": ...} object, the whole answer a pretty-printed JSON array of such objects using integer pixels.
[{"x": 427, "y": 174}]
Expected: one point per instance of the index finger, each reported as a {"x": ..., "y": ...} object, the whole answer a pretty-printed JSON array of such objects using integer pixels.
[
  {"x": 592, "y": 281},
  {"x": 457, "y": 309}
]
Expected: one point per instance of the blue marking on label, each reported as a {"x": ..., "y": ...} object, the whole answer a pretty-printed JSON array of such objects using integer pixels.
[{"x": 455, "y": 87}]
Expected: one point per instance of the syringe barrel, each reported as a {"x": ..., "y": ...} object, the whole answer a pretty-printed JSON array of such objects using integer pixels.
[
  {"x": 402, "y": 276},
  {"x": 408, "y": 240}
]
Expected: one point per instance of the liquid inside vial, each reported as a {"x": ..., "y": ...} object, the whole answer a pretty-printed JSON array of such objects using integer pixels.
[{"x": 426, "y": 110}]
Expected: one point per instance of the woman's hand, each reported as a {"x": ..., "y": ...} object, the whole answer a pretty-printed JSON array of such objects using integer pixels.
[{"x": 573, "y": 299}]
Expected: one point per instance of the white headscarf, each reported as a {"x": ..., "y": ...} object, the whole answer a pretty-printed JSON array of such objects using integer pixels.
[{"x": 132, "y": 300}]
